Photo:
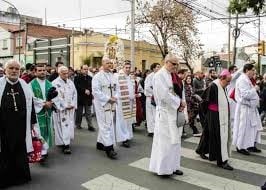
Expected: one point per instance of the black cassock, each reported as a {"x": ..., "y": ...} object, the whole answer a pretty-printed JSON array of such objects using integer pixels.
[
  {"x": 14, "y": 167},
  {"x": 210, "y": 142}
]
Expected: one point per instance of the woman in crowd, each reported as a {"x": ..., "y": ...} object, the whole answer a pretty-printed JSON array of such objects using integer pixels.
[{"x": 193, "y": 101}]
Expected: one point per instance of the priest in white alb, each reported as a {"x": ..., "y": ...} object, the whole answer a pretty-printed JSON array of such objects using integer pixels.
[
  {"x": 166, "y": 147},
  {"x": 150, "y": 103},
  {"x": 103, "y": 91},
  {"x": 66, "y": 103},
  {"x": 126, "y": 105},
  {"x": 247, "y": 124}
]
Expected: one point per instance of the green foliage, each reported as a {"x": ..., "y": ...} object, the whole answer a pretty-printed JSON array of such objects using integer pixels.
[{"x": 242, "y": 6}]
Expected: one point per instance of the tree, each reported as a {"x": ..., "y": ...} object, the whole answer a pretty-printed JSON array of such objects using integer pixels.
[
  {"x": 242, "y": 6},
  {"x": 171, "y": 25}
]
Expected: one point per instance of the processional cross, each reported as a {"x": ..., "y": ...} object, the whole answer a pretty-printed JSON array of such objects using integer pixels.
[{"x": 13, "y": 94}]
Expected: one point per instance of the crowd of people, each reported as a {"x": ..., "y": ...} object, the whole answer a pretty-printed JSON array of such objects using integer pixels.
[{"x": 222, "y": 110}]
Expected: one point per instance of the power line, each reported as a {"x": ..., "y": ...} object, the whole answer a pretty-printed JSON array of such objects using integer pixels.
[
  {"x": 208, "y": 15},
  {"x": 96, "y": 16}
]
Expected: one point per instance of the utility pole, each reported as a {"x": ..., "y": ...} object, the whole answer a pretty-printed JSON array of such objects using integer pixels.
[
  {"x": 259, "y": 60},
  {"x": 80, "y": 15},
  {"x": 45, "y": 17},
  {"x": 132, "y": 45},
  {"x": 73, "y": 47},
  {"x": 116, "y": 30},
  {"x": 229, "y": 40},
  {"x": 236, "y": 34}
]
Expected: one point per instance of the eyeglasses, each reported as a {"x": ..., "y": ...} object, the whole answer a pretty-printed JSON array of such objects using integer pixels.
[{"x": 173, "y": 63}]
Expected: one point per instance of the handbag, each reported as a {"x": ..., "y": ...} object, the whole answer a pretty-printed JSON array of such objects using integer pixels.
[
  {"x": 180, "y": 119},
  {"x": 36, "y": 155}
]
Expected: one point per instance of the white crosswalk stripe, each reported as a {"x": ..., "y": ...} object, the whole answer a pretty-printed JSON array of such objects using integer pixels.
[
  {"x": 109, "y": 182},
  {"x": 236, "y": 163},
  {"x": 202, "y": 179},
  {"x": 196, "y": 140}
]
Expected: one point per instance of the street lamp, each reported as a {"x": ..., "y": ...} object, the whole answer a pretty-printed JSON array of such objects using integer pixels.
[{"x": 19, "y": 34}]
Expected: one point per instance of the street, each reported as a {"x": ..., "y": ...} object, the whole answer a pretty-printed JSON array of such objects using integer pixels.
[{"x": 88, "y": 168}]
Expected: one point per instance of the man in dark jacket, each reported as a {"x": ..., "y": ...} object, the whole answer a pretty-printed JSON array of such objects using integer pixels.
[
  {"x": 83, "y": 86},
  {"x": 55, "y": 74}
]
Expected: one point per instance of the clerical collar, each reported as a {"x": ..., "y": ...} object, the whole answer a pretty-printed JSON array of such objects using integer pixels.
[
  {"x": 10, "y": 82},
  {"x": 40, "y": 80}
]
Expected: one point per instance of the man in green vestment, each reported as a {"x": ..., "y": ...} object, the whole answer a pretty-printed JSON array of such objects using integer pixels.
[{"x": 40, "y": 87}]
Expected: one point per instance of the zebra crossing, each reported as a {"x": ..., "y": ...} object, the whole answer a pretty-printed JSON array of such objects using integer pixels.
[
  {"x": 194, "y": 177},
  {"x": 201, "y": 179}
]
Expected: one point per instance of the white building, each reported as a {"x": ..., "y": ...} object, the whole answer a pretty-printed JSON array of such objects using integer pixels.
[
  {"x": 11, "y": 17},
  {"x": 7, "y": 42}
]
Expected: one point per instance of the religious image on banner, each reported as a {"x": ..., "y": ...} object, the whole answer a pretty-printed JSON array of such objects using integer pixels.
[{"x": 114, "y": 50}]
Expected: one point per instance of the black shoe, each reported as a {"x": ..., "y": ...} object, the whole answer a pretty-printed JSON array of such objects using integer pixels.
[
  {"x": 226, "y": 166},
  {"x": 79, "y": 127},
  {"x": 243, "y": 151},
  {"x": 254, "y": 149},
  {"x": 99, "y": 146},
  {"x": 165, "y": 176},
  {"x": 66, "y": 150},
  {"x": 178, "y": 172},
  {"x": 44, "y": 159},
  {"x": 126, "y": 144},
  {"x": 90, "y": 128},
  {"x": 150, "y": 134},
  {"x": 203, "y": 156},
  {"x": 184, "y": 135},
  {"x": 111, "y": 154}
]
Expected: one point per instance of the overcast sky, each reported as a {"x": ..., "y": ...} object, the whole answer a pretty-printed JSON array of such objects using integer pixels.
[{"x": 213, "y": 34}]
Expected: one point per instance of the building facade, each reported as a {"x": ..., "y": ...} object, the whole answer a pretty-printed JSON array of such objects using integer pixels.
[
  {"x": 12, "y": 17},
  {"x": 90, "y": 48}
]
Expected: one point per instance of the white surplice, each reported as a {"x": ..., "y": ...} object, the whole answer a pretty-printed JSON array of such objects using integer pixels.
[
  {"x": 230, "y": 89},
  {"x": 64, "y": 119},
  {"x": 150, "y": 109},
  {"x": 103, "y": 89},
  {"x": 247, "y": 120},
  {"x": 124, "y": 130},
  {"x": 166, "y": 147}
]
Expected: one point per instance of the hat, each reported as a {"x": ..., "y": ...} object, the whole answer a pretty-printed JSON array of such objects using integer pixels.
[{"x": 225, "y": 73}]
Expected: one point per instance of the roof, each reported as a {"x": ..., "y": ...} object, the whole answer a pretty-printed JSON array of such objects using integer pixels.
[
  {"x": 9, "y": 27},
  {"x": 43, "y": 31}
]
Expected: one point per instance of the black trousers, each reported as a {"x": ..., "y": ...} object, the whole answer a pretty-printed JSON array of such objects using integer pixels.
[{"x": 79, "y": 115}]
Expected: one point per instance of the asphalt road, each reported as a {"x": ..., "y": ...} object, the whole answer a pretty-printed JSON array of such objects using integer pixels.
[{"x": 88, "y": 168}]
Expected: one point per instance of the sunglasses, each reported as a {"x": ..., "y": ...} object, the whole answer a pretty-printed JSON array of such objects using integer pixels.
[{"x": 173, "y": 63}]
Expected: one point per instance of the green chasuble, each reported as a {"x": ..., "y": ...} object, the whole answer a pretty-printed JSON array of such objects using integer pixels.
[{"x": 45, "y": 115}]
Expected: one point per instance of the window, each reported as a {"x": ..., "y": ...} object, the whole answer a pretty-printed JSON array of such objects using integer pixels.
[
  {"x": 18, "y": 41},
  {"x": 4, "y": 47}
]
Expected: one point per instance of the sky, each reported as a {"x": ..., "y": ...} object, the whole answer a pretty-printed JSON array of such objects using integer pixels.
[{"x": 212, "y": 34}]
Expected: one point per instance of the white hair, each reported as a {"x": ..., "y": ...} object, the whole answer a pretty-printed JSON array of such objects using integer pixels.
[
  {"x": 62, "y": 68},
  {"x": 170, "y": 57},
  {"x": 12, "y": 61}
]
